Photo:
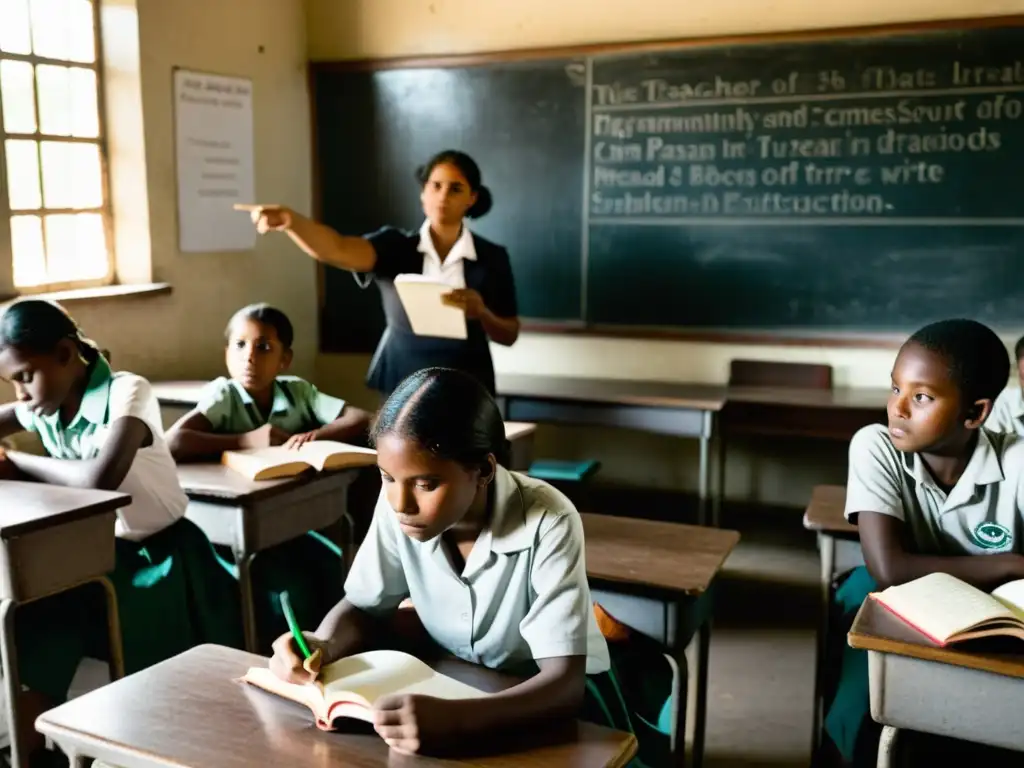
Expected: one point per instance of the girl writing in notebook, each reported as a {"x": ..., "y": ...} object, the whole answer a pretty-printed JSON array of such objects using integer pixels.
[
  {"x": 477, "y": 270},
  {"x": 492, "y": 560},
  {"x": 102, "y": 430}
]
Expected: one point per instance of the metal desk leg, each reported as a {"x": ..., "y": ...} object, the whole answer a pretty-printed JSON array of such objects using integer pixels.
[
  {"x": 887, "y": 747},
  {"x": 704, "y": 476},
  {"x": 116, "y": 663},
  {"x": 244, "y": 563},
  {"x": 678, "y": 740},
  {"x": 827, "y": 550},
  {"x": 720, "y": 483},
  {"x": 12, "y": 682},
  {"x": 701, "y": 711}
]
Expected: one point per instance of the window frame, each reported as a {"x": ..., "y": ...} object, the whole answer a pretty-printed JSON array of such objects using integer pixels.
[{"x": 7, "y": 286}]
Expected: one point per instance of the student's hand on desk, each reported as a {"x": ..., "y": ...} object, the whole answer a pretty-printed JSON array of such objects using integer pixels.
[
  {"x": 468, "y": 300},
  {"x": 265, "y": 437},
  {"x": 411, "y": 723},
  {"x": 299, "y": 440},
  {"x": 288, "y": 664}
]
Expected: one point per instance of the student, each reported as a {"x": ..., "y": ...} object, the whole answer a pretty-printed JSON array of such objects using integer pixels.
[
  {"x": 257, "y": 407},
  {"x": 103, "y": 430},
  {"x": 1008, "y": 412},
  {"x": 478, "y": 271},
  {"x": 492, "y": 560},
  {"x": 929, "y": 490}
]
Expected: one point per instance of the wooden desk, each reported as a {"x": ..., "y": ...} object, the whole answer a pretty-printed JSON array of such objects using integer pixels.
[
  {"x": 916, "y": 685},
  {"x": 674, "y": 567},
  {"x": 181, "y": 396},
  {"x": 250, "y": 516},
  {"x": 680, "y": 410},
  {"x": 52, "y": 539},
  {"x": 190, "y": 712},
  {"x": 825, "y": 516}
]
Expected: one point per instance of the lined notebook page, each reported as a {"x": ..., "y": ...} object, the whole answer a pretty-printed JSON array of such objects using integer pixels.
[{"x": 941, "y": 605}]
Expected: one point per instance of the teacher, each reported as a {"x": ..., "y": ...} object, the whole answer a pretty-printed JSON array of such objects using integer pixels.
[{"x": 477, "y": 270}]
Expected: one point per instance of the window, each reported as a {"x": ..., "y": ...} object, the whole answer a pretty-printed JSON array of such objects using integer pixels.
[{"x": 55, "y": 225}]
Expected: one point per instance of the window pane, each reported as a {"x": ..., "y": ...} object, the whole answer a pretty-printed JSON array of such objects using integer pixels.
[
  {"x": 27, "y": 247},
  {"x": 76, "y": 247},
  {"x": 23, "y": 174},
  {"x": 71, "y": 175},
  {"x": 14, "y": 34},
  {"x": 17, "y": 96},
  {"x": 63, "y": 29},
  {"x": 67, "y": 101}
]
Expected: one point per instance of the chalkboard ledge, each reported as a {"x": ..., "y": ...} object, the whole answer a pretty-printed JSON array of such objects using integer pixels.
[{"x": 781, "y": 337}]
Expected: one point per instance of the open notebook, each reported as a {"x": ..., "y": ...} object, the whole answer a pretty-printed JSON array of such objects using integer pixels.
[
  {"x": 278, "y": 461},
  {"x": 422, "y": 299},
  {"x": 948, "y": 610},
  {"x": 349, "y": 687}
]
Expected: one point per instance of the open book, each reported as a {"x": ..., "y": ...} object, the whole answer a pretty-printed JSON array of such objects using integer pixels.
[
  {"x": 349, "y": 687},
  {"x": 948, "y": 610},
  {"x": 276, "y": 462},
  {"x": 428, "y": 315}
]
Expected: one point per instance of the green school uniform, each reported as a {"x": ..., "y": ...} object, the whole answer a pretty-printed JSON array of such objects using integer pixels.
[
  {"x": 308, "y": 567},
  {"x": 171, "y": 595}
]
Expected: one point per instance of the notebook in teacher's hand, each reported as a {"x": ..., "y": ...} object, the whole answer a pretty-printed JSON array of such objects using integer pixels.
[
  {"x": 423, "y": 300},
  {"x": 948, "y": 610},
  {"x": 350, "y": 687},
  {"x": 278, "y": 461}
]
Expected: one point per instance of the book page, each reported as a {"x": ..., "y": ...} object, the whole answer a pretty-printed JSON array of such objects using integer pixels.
[
  {"x": 320, "y": 453},
  {"x": 428, "y": 314},
  {"x": 374, "y": 674},
  {"x": 941, "y": 606},
  {"x": 1011, "y": 594},
  {"x": 261, "y": 463},
  {"x": 311, "y": 694}
]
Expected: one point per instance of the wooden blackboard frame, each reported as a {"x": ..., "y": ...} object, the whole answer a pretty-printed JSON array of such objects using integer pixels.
[{"x": 785, "y": 337}]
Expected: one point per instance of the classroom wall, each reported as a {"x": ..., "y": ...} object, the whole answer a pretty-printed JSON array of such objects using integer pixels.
[
  {"x": 180, "y": 335},
  {"x": 776, "y": 474}
]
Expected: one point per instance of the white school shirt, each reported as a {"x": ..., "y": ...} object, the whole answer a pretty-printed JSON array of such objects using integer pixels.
[
  {"x": 523, "y": 594},
  {"x": 451, "y": 271},
  {"x": 152, "y": 480},
  {"x": 1007, "y": 412},
  {"x": 982, "y": 514}
]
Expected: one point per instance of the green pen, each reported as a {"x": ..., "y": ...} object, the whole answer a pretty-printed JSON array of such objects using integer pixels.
[{"x": 293, "y": 625}]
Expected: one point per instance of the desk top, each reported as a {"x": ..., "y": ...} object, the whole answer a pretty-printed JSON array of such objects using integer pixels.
[
  {"x": 28, "y": 507},
  {"x": 217, "y": 482},
  {"x": 844, "y": 398},
  {"x": 877, "y": 629},
  {"x": 825, "y": 511},
  {"x": 191, "y": 712},
  {"x": 653, "y": 394},
  {"x": 666, "y": 556}
]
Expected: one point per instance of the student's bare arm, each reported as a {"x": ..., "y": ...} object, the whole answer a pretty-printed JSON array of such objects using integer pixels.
[
  {"x": 105, "y": 472},
  {"x": 9, "y": 424},
  {"x": 555, "y": 691},
  {"x": 192, "y": 439},
  {"x": 352, "y": 425},
  {"x": 881, "y": 537},
  {"x": 316, "y": 239},
  {"x": 346, "y": 630},
  {"x": 500, "y": 330}
]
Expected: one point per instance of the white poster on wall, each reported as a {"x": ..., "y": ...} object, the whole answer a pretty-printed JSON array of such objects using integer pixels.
[{"x": 215, "y": 158}]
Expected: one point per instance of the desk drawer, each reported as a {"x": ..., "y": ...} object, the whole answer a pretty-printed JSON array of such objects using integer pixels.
[
  {"x": 55, "y": 559},
  {"x": 945, "y": 700}
]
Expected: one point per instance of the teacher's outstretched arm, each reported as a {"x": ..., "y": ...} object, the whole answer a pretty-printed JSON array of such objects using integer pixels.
[{"x": 318, "y": 240}]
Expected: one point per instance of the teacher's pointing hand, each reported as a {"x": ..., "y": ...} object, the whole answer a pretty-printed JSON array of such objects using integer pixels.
[{"x": 268, "y": 218}]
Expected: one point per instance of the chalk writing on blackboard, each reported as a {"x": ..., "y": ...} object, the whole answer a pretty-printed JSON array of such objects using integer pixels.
[{"x": 882, "y": 146}]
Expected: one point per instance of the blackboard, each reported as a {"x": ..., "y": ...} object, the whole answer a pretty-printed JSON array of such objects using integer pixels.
[{"x": 859, "y": 184}]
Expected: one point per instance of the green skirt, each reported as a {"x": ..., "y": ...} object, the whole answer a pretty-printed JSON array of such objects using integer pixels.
[
  {"x": 171, "y": 596},
  {"x": 309, "y": 568}
]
